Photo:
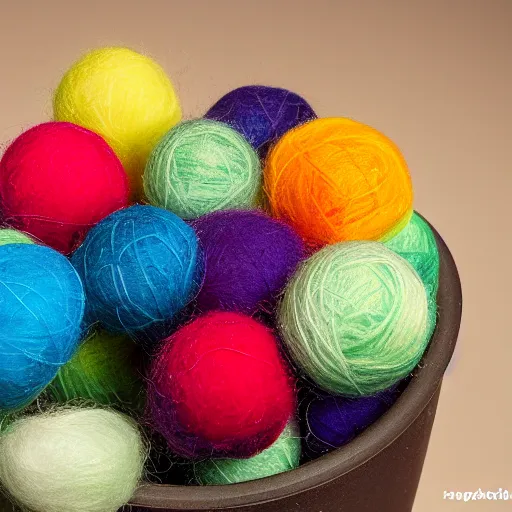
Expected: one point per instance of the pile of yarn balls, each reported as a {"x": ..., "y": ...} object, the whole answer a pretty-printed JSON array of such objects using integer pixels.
[{"x": 242, "y": 292}]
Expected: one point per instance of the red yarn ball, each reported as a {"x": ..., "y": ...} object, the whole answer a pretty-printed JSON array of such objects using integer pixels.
[
  {"x": 220, "y": 388},
  {"x": 57, "y": 180}
]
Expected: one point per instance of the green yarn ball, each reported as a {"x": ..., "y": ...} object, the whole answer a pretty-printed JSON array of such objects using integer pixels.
[
  {"x": 416, "y": 243},
  {"x": 202, "y": 166},
  {"x": 12, "y": 236},
  {"x": 354, "y": 318},
  {"x": 283, "y": 455},
  {"x": 5, "y": 420},
  {"x": 103, "y": 370}
]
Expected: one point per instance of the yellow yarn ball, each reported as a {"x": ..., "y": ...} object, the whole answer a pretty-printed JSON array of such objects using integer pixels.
[{"x": 124, "y": 96}]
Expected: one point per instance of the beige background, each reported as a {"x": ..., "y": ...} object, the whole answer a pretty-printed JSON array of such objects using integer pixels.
[{"x": 436, "y": 76}]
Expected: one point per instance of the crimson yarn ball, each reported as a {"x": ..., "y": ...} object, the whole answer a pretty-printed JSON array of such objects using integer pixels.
[
  {"x": 220, "y": 388},
  {"x": 57, "y": 180},
  {"x": 249, "y": 258}
]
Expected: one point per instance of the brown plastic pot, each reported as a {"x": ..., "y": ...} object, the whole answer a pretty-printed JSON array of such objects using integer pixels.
[{"x": 377, "y": 472}]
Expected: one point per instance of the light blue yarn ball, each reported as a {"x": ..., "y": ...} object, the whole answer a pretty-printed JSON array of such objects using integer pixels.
[
  {"x": 140, "y": 266},
  {"x": 41, "y": 309}
]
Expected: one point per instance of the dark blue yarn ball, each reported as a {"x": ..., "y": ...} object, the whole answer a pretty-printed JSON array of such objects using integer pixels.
[
  {"x": 333, "y": 421},
  {"x": 41, "y": 309},
  {"x": 249, "y": 258},
  {"x": 140, "y": 266},
  {"x": 261, "y": 114}
]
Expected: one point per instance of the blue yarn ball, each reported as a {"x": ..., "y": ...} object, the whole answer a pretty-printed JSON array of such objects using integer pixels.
[
  {"x": 333, "y": 421},
  {"x": 140, "y": 267},
  {"x": 41, "y": 309},
  {"x": 261, "y": 114}
]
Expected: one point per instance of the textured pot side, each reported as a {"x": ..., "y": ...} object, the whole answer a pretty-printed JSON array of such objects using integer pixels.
[{"x": 377, "y": 472}]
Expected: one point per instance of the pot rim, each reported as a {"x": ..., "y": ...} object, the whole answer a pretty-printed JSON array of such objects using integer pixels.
[{"x": 426, "y": 380}]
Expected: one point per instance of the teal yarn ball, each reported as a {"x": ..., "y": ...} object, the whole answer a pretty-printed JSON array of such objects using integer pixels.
[
  {"x": 201, "y": 166},
  {"x": 41, "y": 310},
  {"x": 13, "y": 236},
  {"x": 72, "y": 460},
  {"x": 417, "y": 244},
  {"x": 140, "y": 267},
  {"x": 354, "y": 318},
  {"x": 283, "y": 455}
]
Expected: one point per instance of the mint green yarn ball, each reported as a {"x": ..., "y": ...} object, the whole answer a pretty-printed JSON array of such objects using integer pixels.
[
  {"x": 202, "y": 166},
  {"x": 283, "y": 455},
  {"x": 354, "y": 318},
  {"x": 13, "y": 236},
  {"x": 416, "y": 243}
]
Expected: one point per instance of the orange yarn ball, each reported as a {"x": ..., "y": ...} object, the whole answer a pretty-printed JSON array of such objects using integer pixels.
[{"x": 336, "y": 179}]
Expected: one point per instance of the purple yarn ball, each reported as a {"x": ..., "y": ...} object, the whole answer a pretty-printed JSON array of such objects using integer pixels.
[
  {"x": 248, "y": 256},
  {"x": 333, "y": 421},
  {"x": 261, "y": 114}
]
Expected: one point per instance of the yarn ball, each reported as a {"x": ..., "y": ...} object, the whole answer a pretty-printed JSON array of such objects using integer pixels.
[
  {"x": 124, "y": 96},
  {"x": 5, "y": 421},
  {"x": 220, "y": 388},
  {"x": 41, "y": 308},
  {"x": 248, "y": 259},
  {"x": 354, "y": 318},
  {"x": 57, "y": 180},
  {"x": 104, "y": 370},
  {"x": 333, "y": 421},
  {"x": 283, "y": 455},
  {"x": 417, "y": 244},
  {"x": 140, "y": 266},
  {"x": 336, "y": 179},
  {"x": 12, "y": 236},
  {"x": 201, "y": 166},
  {"x": 72, "y": 460},
  {"x": 261, "y": 114}
]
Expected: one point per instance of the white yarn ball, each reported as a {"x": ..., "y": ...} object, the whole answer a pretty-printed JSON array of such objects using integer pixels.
[{"x": 72, "y": 460}]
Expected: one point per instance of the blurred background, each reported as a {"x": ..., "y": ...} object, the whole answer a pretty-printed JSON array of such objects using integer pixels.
[{"x": 434, "y": 76}]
